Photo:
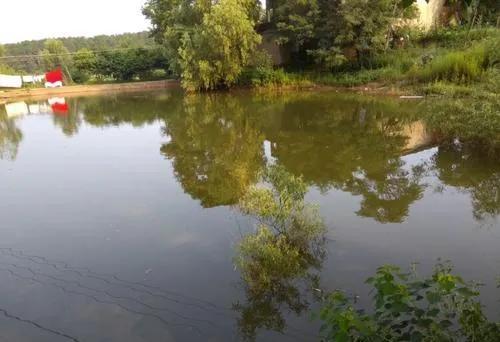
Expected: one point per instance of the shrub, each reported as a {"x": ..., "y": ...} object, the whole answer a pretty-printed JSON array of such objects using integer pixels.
[
  {"x": 283, "y": 256},
  {"x": 290, "y": 233},
  {"x": 459, "y": 37},
  {"x": 442, "y": 307},
  {"x": 493, "y": 52},
  {"x": 458, "y": 67}
]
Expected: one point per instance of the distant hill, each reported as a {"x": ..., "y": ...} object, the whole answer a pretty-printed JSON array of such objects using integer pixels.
[
  {"x": 102, "y": 42},
  {"x": 73, "y": 44}
]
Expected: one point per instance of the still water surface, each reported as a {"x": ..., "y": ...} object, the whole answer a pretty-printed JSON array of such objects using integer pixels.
[{"x": 117, "y": 217}]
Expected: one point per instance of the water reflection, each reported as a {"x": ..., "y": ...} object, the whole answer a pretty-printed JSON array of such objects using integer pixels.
[
  {"x": 386, "y": 197},
  {"x": 473, "y": 173},
  {"x": 215, "y": 147},
  {"x": 280, "y": 262},
  {"x": 218, "y": 143},
  {"x": 10, "y": 137},
  {"x": 145, "y": 151}
]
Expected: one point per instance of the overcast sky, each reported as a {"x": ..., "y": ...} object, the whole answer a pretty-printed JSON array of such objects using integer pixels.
[{"x": 36, "y": 19}]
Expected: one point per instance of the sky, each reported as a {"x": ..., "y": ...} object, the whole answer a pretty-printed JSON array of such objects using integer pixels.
[{"x": 37, "y": 19}]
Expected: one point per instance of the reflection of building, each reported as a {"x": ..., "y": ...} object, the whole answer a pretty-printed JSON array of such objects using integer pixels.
[
  {"x": 51, "y": 106},
  {"x": 418, "y": 137},
  {"x": 15, "y": 109}
]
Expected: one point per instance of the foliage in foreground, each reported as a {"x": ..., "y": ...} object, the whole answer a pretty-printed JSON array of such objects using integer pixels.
[{"x": 442, "y": 307}]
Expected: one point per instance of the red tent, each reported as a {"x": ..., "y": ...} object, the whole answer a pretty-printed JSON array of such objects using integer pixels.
[{"x": 54, "y": 78}]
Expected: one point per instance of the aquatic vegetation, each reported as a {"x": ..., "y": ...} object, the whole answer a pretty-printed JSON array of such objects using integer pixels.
[
  {"x": 286, "y": 249},
  {"x": 441, "y": 307}
]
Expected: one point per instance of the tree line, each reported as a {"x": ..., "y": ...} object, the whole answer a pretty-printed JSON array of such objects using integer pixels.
[
  {"x": 216, "y": 44},
  {"x": 209, "y": 44},
  {"x": 106, "y": 57}
]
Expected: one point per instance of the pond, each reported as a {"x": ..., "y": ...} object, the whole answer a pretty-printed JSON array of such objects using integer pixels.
[{"x": 118, "y": 217}]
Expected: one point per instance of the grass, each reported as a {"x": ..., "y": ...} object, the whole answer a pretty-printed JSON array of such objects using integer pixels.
[
  {"x": 453, "y": 63},
  {"x": 460, "y": 67}
]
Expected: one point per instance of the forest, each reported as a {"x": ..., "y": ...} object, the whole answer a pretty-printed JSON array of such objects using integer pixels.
[
  {"x": 299, "y": 43},
  {"x": 213, "y": 45},
  {"x": 99, "y": 59}
]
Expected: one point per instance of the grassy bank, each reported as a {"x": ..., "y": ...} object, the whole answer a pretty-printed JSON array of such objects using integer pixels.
[{"x": 453, "y": 63}]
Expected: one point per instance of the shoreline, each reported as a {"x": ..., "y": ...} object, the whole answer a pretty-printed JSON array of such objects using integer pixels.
[
  {"x": 76, "y": 90},
  {"x": 369, "y": 89}
]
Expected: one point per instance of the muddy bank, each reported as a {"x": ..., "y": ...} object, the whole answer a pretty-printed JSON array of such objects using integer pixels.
[{"x": 86, "y": 89}]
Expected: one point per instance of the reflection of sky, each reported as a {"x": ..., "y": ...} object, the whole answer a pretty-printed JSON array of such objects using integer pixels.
[
  {"x": 55, "y": 203},
  {"x": 439, "y": 226},
  {"x": 106, "y": 199}
]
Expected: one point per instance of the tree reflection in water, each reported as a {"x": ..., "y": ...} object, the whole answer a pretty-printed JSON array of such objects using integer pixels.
[
  {"x": 215, "y": 147},
  {"x": 387, "y": 198},
  {"x": 335, "y": 141},
  {"x": 471, "y": 172},
  {"x": 280, "y": 262},
  {"x": 10, "y": 138},
  {"x": 355, "y": 146}
]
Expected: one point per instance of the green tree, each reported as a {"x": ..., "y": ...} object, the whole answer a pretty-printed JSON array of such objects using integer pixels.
[
  {"x": 332, "y": 31},
  {"x": 128, "y": 64},
  {"x": 84, "y": 62},
  {"x": 4, "y": 69},
  {"x": 296, "y": 20},
  {"x": 170, "y": 20},
  {"x": 364, "y": 26},
  {"x": 56, "y": 55},
  {"x": 207, "y": 43},
  {"x": 215, "y": 55}
]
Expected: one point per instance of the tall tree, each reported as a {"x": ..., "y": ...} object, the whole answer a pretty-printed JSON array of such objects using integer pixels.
[
  {"x": 207, "y": 42},
  {"x": 357, "y": 29},
  {"x": 218, "y": 50},
  {"x": 56, "y": 55},
  {"x": 84, "y": 62},
  {"x": 296, "y": 21}
]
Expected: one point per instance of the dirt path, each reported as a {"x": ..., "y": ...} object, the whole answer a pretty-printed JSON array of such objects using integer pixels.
[{"x": 85, "y": 89}]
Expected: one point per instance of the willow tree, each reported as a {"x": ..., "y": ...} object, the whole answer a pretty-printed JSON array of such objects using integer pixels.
[{"x": 208, "y": 43}]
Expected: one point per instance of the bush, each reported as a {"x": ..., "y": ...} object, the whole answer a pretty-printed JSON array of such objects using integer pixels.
[
  {"x": 458, "y": 67},
  {"x": 493, "y": 52},
  {"x": 442, "y": 307},
  {"x": 459, "y": 37},
  {"x": 361, "y": 77},
  {"x": 263, "y": 76}
]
